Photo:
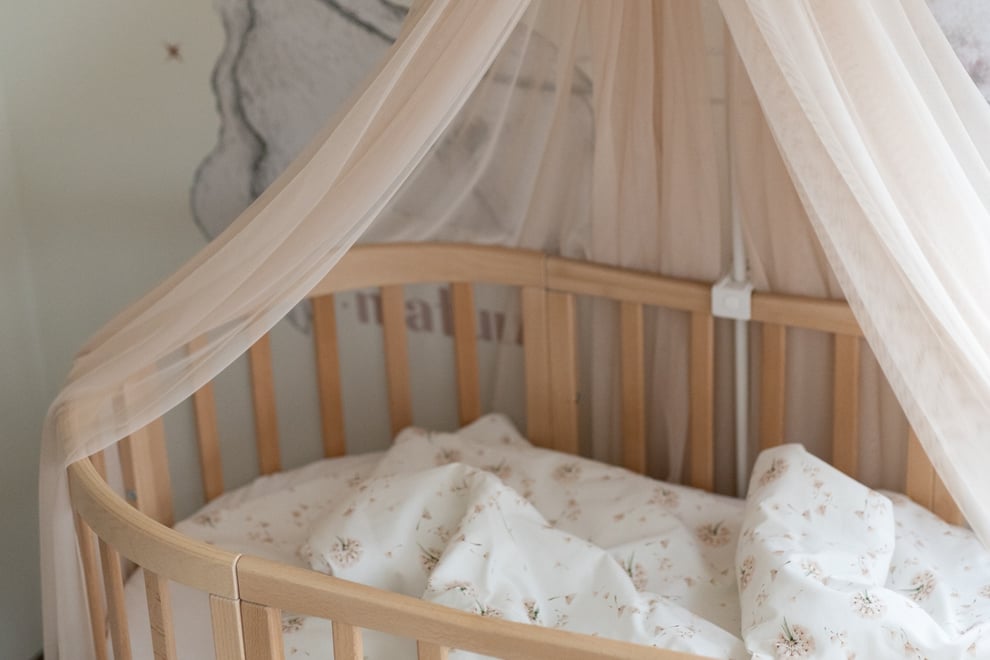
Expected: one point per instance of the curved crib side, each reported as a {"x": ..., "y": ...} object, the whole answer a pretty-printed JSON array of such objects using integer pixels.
[{"x": 247, "y": 593}]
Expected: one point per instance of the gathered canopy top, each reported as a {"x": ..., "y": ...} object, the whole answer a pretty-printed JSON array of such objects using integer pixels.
[{"x": 583, "y": 127}]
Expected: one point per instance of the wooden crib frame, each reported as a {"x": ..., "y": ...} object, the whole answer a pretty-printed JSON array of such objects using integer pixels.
[{"x": 247, "y": 594}]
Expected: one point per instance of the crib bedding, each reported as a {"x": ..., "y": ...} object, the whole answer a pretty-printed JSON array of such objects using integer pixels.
[{"x": 480, "y": 520}]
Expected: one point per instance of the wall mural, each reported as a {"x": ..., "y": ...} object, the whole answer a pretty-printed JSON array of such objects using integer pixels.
[{"x": 288, "y": 66}]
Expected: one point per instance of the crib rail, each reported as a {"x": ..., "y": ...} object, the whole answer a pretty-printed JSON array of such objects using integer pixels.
[
  {"x": 268, "y": 588},
  {"x": 248, "y": 594}
]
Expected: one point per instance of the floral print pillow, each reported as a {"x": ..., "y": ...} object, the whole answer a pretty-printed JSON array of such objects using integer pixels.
[{"x": 814, "y": 565}]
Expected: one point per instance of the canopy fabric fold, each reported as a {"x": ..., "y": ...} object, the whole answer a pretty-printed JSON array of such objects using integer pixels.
[
  {"x": 892, "y": 172},
  {"x": 584, "y": 128},
  {"x": 240, "y": 285}
]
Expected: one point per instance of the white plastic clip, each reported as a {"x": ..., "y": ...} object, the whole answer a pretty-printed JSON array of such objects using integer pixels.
[{"x": 731, "y": 299}]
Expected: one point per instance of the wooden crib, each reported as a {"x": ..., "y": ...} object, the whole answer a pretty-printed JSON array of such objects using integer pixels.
[{"x": 247, "y": 594}]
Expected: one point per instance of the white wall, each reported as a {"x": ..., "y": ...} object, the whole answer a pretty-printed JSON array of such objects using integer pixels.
[
  {"x": 21, "y": 409},
  {"x": 98, "y": 148}
]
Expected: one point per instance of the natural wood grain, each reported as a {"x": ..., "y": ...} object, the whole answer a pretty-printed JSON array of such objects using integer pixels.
[
  {"x": 702, "y": 374},
  {"x": 396, "y": 357},
  {"x": 427, "y": 651},
  {"x": 160, "y": 616},
  {"x": 423, "y": 263},
  {"x": 263, "y": 398},
  {"x": 210, "y": 461},
  {"x": 207, "y": 434},
  {"x": 465, "y": 352},
  {"x": 94, "y": 596},
  {"x": 562, "y": 332},
  {"x": 773, "y": 397},
  {"x": 536, "y": 352},
  {"x": 347, "y": 642},
  {"x": 633, "y": 387},
  {"x": 147, "y": 543},
  {"x": 306, "y": 592},
  {"x": 919, "y": 481},
  {"x": 113, "y": 584},
  {"x": 832, "y": 316},
  {"x": 262, "y": 632},
  {"x": 580, "y": 277},
  {"x": 144, "y": 465},
  {"x": 228, "y": 630},
  {"x": 328, "y": 376},
  {"x": 943, "y": 505},
  {"x": 845, "y": 402}
]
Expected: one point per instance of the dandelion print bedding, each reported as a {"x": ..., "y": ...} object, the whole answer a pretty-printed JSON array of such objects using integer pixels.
[{"x": 811, "y": 565}]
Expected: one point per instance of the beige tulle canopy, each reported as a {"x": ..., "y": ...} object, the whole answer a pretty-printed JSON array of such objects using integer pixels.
[{"x": 859, "y": 154}]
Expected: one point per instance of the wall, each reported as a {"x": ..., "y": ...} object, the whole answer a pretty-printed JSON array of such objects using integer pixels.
[
  {"x": 105, "y": 133},
  {"x": 21, "y": 410}
]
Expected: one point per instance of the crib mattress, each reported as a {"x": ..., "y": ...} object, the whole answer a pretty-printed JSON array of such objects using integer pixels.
[{"x": 811, "y": 564}]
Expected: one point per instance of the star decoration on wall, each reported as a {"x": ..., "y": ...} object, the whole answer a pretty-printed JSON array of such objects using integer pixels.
[{"x": 172, "y": 51}]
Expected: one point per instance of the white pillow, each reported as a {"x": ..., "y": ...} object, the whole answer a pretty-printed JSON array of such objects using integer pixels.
[{"x": 813, "y": 562}]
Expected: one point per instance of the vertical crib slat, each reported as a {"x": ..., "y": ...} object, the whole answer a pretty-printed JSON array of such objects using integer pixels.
[
  {"x": 160, "y": 616},
  {"x": 144, "y": 461},
  {"x": 702, "y": 400},
  {"x": 100, "y": 463},
  {"x": 772, "y": 385},
  {"x": 263, "y": 397},
  {"x": 91, "y": 575},
  {"x": 563, "y": 371},
  {"x": 211, "y": 467},
  {"x": 113, "y": 584},
  {"x": 228, "y": 632},
  {"x": 427, "y": 651},
  {"x": 207, "y": 435},
  {"x": 465, "y": 351},
  {"x": 347, "y": 642},
  {"x": 262, "y": 632},
  {"x": 396, "y": 357},
  {"x": 536, "y": 353},
  {"x": 923, "y": 485},
  {"x": 845, "y": 413},
  {"x": 944, "y": 506},
  {"x": 328, "y": 375},
  {"x": 633, "y": 388},
  {"x": 919, "y": 482}
]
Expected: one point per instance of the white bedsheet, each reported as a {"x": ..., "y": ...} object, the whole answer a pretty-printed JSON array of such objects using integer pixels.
[{"x": 482, "y": 521}]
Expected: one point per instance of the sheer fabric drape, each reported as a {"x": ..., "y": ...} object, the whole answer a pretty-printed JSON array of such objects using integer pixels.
[
  {"x": 140, "y": 366},
  {"x": 785, "y": 256},
  {"x": 885, "y": 139},
  {"x": 590, "y": 136}
]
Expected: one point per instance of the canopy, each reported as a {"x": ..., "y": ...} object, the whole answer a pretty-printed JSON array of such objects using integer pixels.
[{"x": 603, "y": 148}]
